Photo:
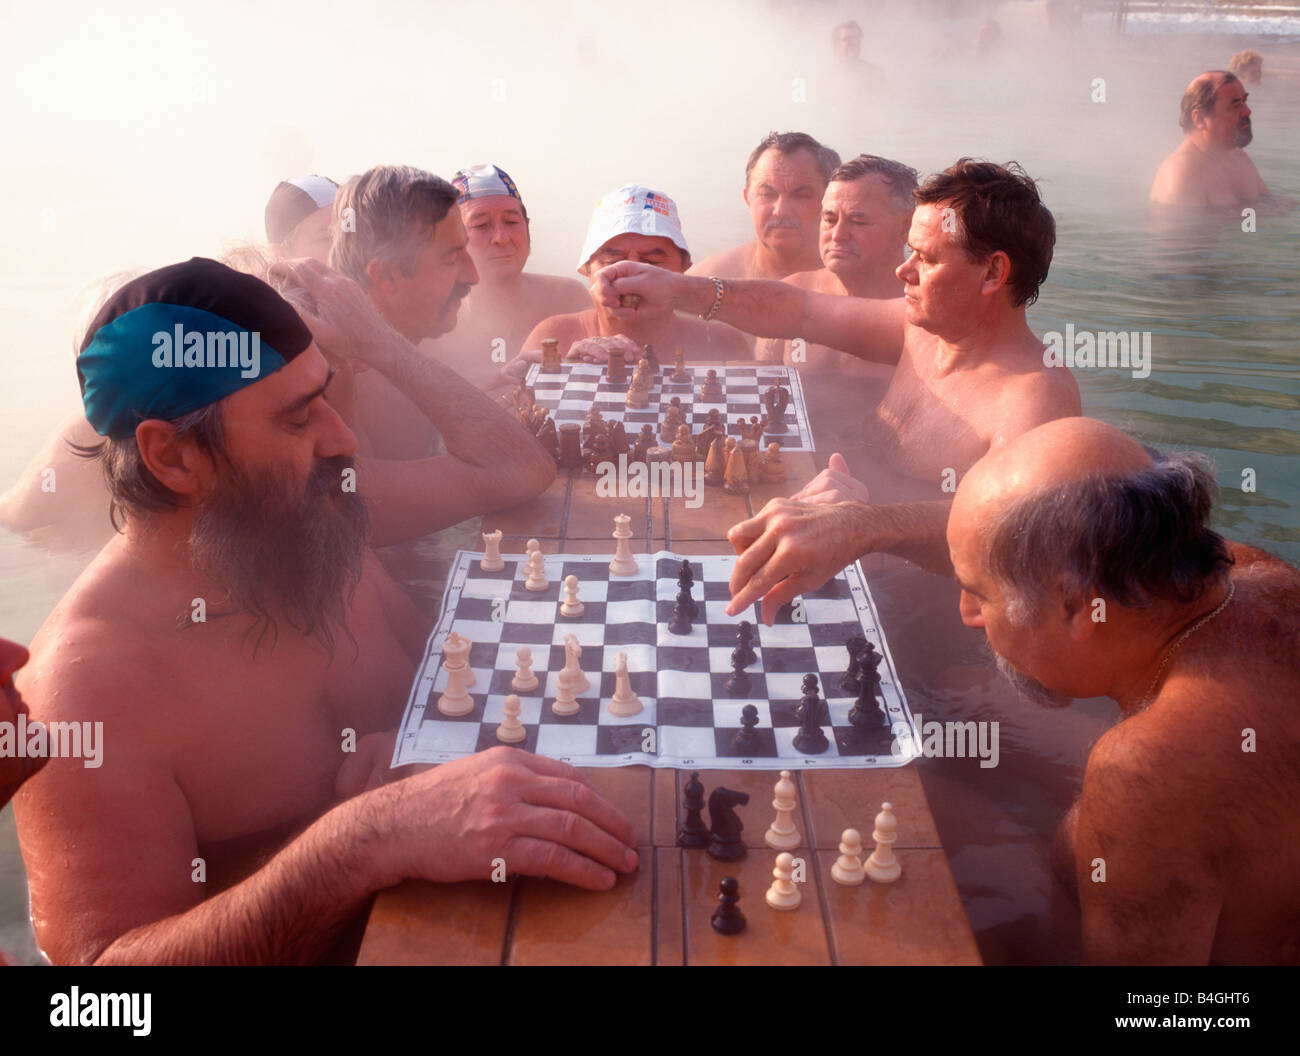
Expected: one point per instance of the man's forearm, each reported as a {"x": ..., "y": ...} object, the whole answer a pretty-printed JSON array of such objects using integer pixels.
[
  {"x": 914, "y": 531},
  {"x": 289, "y": 912},
  {"x": 764, "y": 307}
]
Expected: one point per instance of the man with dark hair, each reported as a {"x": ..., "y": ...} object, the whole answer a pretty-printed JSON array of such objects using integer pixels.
[
  {"x": 298, "y": 217},
  {"x": 399, "y": 235},
  {"x": 1210, "y": 168},
  {"x": 846, "y": 50},
  {"x": 865, "y": 217},
  {"x": 970, "y": 375},
  {"x": 1091, "y": 568},
  {"x": 249, "y": 657},
  {"x": 785, "y": 178}
]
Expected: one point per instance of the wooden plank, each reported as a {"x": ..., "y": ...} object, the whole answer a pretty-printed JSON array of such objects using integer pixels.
[
  {"x": 771, "y": 936},
  {"x": 591, "y": 515},
  {"x": 717, "y": 511},
  {"x": 629, "y": 788},
  {"x": 423, "y": 923},
  {"x": 668, "y": 906},
  {"x": 559, "y": 924},
  {"x": 835, "y": 800},
  {"x": 918, "y": 919},
  {"x": 666, "y": 813}
]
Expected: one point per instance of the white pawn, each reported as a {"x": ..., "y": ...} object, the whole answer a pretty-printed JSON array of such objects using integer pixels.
[
  {"x": 572, "y": 675},
  {"x": 512, "y": 730},
  {"x": 624, "y": 702},
  {"x": 530, "y": 546},
  {"x": 847, "y": 869},
  {"x": 492, "y": 560},
  {"x": 524, "y": 679},
  {"x": 784, "y": 892},
  {"x": 781, "y": 835},
  {"x": 565, "y": 702},
  {"x": 571, "y": 605},
  {"x": 536, "y": 567},
  {"x": 882, "y": 866}
]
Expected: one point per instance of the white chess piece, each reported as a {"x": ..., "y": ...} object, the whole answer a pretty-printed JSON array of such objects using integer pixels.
[
  {"x": 571, "y": 605},
  {"x": 847, "y": 869},
  {"x": 572, "y": 675},
  {"x": 882, "y": 866},
  {"x": 530, "y": 546},
  {"x": 624, "y": 702},
  {"x": 784, "y": 892},
  {"x": 624, "y": 564},
  {"x": 455, "y": 699},
  {"x": 492, "y": 560},
  {"x": 511, "y": 731},
  {"x": 524, "y": 679},
  {"x": 781, "y": 835},
  {"x": 536, "y": 572},
  {"x": 565, "y": 701}
]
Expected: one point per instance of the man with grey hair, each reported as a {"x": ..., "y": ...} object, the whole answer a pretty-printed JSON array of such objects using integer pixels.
[
  {"x": 1092, "y": 569},
  {"x": 1210, "y": 168},
  {"x": 785, "y": 178}
]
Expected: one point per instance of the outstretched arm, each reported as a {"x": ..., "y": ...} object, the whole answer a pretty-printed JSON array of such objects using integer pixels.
[
  {"x": 866, "y": 328},
  {"x": 491, "y": 461}
]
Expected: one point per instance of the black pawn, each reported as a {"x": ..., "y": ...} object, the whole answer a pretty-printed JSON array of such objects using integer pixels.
[
  {"x": 738, "y": 683},
  {"x": 725, "y": 826},
  {"x": 681, "y": 621},
  {"x": 810, "y": 740},
  {"x": 727, "y": 918},
  {"x": 745, "y": 643},
  {"x": 693, "y": 833},
  {"x": 747, "y": 739},
  {"x": 811, "y": 700}
]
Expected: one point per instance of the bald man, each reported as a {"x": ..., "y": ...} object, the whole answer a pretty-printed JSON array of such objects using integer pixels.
[
  {"x": 1092, "y": 570},
  {"x": 1210, "y": 168}
]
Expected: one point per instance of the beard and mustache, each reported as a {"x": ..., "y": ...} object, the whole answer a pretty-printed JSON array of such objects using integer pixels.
[
  {"x": 1244, "y": 133},
  {"x": 277, "y": 555},
  {"x": 1028, "y": 688}
]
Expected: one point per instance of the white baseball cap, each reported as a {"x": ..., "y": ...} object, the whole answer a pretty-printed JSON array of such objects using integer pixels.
[{"x": 635, "y": 210}]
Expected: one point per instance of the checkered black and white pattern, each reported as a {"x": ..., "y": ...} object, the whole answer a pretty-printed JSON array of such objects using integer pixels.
[
  {"x": 689, "y": 719},
  {"x": 570, "y": 394}
]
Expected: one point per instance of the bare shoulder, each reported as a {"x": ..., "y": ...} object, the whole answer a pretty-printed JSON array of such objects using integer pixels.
[
  {"x": 1178, "y": 180},
  {"x": 566, "y": 329},
  {"x": 1031, "y": 394},
  {"x": 819, "y": 281},
  {"x": 566, "y": 293},
  {"x": 729, "y": 264}
]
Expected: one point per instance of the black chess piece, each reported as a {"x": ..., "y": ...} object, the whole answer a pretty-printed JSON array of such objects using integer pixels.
[
  {"x": 811, "y": 699},
  {"x": 725, "y": 827},
  {"x": 746, "y": 738},
  {"x": 727, "y": 918},
  {"x": 684, "y": 583},
  {"x": 745, "y": 643},
  {"x": 693, "y": 833},
  {"x": 738, "y": 683},
  {"x": 810, "y": 740},
  {"x": 649, "y": 355},
  {"x": 851, "y": 682},
  {"x": 681, "y": 621},
  {"x": 869, "y": 709}
]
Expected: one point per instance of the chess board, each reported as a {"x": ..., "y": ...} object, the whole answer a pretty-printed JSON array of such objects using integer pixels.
[
  {"x": 570, "y": 394},
  {"x": 689, "y": 719}
]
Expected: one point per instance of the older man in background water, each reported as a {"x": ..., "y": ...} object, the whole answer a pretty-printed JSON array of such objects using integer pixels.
[
  {"x": 785, "y": 178},
  {"x": 1210, "y": 168},
  {"x": 507, "y": 302}
]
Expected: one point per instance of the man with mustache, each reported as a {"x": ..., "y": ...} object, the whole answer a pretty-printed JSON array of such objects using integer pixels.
[
  {"x": 249, "y": 657},
  {"x": 1210, "y": 168},
  {"x": 1091, "y": 567},
  {"x": 785, "y": 178},
  {"x": 969, "y": 376}
]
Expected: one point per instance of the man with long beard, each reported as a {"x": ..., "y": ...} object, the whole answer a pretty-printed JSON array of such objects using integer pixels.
[
  {"x": 245, "y": 653},
  {"x": 1092, "y": 570}
]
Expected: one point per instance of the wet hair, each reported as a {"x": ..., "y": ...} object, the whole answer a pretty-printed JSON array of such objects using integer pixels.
[
  {"x": 788, "y": 143},
  {"x": 999, "y": 209},
  {"x": 1245, "y": 60},
  {"x": 133, "y": 491},
  {"x": 901, "y": 179},
  {"x": 1135, "y": 539},
  {"x": 393, "y": 207},
  {"x": 1201, "y": 95}
]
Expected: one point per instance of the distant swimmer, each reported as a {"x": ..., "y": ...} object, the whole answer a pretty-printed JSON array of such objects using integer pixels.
[
  {"x": 846, "y": 54},
  {"x": 638, "y": 224},
  {"x": 1249, "y": 67},
  {"x": 1092, "y": 570},
  {"x": 785, "y": 178},
  {"x": 507, "y": 302},
  {"x": 865, "y": 218},
  {"x": 1210, "y": 169},
  {"x": 298, "y": 218}
]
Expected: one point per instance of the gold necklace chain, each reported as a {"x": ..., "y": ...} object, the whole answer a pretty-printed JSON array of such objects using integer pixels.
[{"x": 1232, "y": 589}]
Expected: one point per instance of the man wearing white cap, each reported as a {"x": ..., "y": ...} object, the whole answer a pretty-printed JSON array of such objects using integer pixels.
[
  {"x": 638, "y": 224},
  {"x": 298, "y": 218},
  {"x": 507, "y": 303}
]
